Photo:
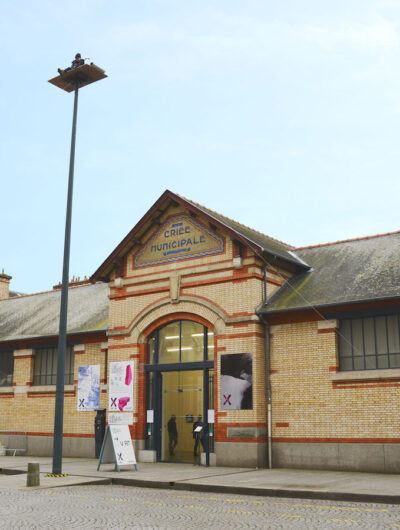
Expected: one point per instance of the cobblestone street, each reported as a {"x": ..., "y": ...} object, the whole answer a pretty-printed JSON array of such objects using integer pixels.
[{"x": 129, "y": 507}]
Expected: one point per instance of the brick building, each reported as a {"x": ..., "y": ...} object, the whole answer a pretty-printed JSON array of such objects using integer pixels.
[{"x": 285, "y": 357}]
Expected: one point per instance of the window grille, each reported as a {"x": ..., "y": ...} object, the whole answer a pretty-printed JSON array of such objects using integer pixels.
[
  {"x": 6, "y": 368},
  {"x": 45, "y": 366},
  {"x": 369, "y": 343}
]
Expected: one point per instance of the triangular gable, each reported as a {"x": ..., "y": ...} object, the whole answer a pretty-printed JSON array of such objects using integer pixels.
[
  {"x": 259, "y": 244},
  {"x": 179, "y": 238}
]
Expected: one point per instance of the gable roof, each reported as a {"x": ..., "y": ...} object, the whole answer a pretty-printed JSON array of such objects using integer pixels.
[
  {"x": 37, "y": 315},
  {"x": 357, "y": 270},
  {"x": 262, "y": 245}
]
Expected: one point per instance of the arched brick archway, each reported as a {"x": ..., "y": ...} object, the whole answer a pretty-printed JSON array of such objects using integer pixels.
[{"x": 189, "y": 308}]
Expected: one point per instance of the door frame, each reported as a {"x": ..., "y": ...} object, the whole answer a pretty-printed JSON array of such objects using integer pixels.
[{"x": 157, "y": 396}]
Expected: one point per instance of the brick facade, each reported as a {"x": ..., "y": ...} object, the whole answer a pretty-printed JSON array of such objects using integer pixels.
[
  {"x": 211, "y": 291},
  {"x": 321, "y": 417},
  {"x": 27, "y": 410}
]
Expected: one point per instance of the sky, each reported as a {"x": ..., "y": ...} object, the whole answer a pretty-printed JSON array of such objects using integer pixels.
[{"x": 284, "y": 116}]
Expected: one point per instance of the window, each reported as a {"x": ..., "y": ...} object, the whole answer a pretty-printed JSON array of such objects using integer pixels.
[
  {"x": 6, "y": 368},
  {"x": 369, "y": 343},
  {"x": 180, "y": 342},
  {"x": 45, "y": 366}
]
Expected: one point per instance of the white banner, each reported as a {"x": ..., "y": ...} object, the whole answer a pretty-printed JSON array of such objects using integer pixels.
[
  {"x": 119, "y": 418},
  {"x": 120, "y": 393},
  {"x": 88, "y": 387}
]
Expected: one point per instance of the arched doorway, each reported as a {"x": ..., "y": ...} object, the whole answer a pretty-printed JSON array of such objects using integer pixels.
[{"x": 180, "y": 390}]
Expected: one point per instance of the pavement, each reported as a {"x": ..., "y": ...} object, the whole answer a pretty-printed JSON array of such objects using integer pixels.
[{"x": 290, "y": 483}]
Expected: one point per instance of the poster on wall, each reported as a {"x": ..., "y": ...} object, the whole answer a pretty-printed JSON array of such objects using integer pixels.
[
  {"x": 237, "y": 381},
  {"x": 88, "y": 387},
  {"x": 120, "y": 394}
]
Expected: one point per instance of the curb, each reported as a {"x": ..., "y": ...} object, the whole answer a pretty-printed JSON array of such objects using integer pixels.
[
  {"x": 11, "y": 471},
  {"x": 263, "y": 492},
  {"x": 94, "y": 482}
]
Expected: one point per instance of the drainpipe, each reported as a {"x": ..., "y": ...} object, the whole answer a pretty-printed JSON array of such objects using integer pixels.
[{"x": 268, "y": 370}]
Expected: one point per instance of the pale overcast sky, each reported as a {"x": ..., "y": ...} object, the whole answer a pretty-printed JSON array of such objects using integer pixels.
[{"x": 284, "y": 116}]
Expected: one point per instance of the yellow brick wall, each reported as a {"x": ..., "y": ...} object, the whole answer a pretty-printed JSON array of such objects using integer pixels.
[
  {"x": 303, "y": 393},
  {"x": 233, "y": 297},
  {"x": 26, "y": 410}
]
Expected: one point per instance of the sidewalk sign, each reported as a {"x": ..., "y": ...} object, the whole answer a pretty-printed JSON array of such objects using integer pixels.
[{"x": 117, "y": 447}]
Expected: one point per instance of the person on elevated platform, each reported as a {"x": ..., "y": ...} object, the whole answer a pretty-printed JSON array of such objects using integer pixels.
[{"x": 78, "y": 61}]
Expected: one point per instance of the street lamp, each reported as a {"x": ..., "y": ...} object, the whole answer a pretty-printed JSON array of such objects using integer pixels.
[{"x": 70, "y": 80}]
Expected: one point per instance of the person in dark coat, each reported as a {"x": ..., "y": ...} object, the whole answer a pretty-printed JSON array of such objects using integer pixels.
[
  {"x": 78, "y": 61},
  {"x": 198, "y": 436},
  {"x": 172, "y": 434}
]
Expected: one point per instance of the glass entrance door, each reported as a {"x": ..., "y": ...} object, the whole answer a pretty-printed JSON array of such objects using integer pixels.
[{"x": 182, "y": 410}]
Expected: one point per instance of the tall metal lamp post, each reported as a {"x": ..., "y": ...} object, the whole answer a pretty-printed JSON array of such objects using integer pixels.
[{"x": 69, "y": 80}]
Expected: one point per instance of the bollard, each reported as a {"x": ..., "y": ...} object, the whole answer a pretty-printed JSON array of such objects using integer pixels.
[{"x": 33, "y": 476}]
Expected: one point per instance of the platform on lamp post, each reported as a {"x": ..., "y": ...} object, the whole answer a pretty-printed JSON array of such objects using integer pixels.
[{"x": 81, "y": 76}]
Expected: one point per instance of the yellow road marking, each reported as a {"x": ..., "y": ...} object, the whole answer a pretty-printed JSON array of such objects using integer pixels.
[
  {"x": 195, "y": 497},
  {"x": 345, "y": 520},
  {"x": 239, "y": 511},
  {"x": 184, "y": 496},
  {"x": 158, "y": 503},
  {"x": 293, "y": 516},
  {"x": 258, "y": 502},
  {"x": 81, "y": 496},
  {"x": 374, "y": 510},
  {"x": 233, "y": 500},
  {"x": 394, "y": 524},
  {"x": 116, "y": 499},
  {"x": 195, "y": 507}
]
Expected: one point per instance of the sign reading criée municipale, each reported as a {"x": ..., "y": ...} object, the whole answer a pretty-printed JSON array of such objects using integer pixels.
[{"x": 180, "y": 237}]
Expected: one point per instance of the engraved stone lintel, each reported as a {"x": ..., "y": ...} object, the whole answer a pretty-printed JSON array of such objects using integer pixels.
[
  {"x": 23, "y": 353},
  {"x": 328, "y": 324}
]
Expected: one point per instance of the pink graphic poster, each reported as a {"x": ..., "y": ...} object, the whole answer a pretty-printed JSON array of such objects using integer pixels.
[{"x": 120, "y": 382}]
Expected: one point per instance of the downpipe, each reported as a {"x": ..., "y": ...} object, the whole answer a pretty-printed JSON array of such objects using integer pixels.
[{"x": 267, "y": 371}]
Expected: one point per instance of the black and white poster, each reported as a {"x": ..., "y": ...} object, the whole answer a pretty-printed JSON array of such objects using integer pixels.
[{"x": 237, "y": 381}]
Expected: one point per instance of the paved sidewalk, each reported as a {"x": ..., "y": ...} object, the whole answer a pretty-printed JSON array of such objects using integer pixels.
[{"x": 307, "y": 484}]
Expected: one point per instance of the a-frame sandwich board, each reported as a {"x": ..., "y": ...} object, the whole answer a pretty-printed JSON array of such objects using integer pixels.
[{"x": 117, "y": 447}]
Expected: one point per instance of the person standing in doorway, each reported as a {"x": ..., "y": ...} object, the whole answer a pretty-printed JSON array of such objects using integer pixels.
[
  {"x": 198, "y": 434},
  {"x": 172, "y": 434}
]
